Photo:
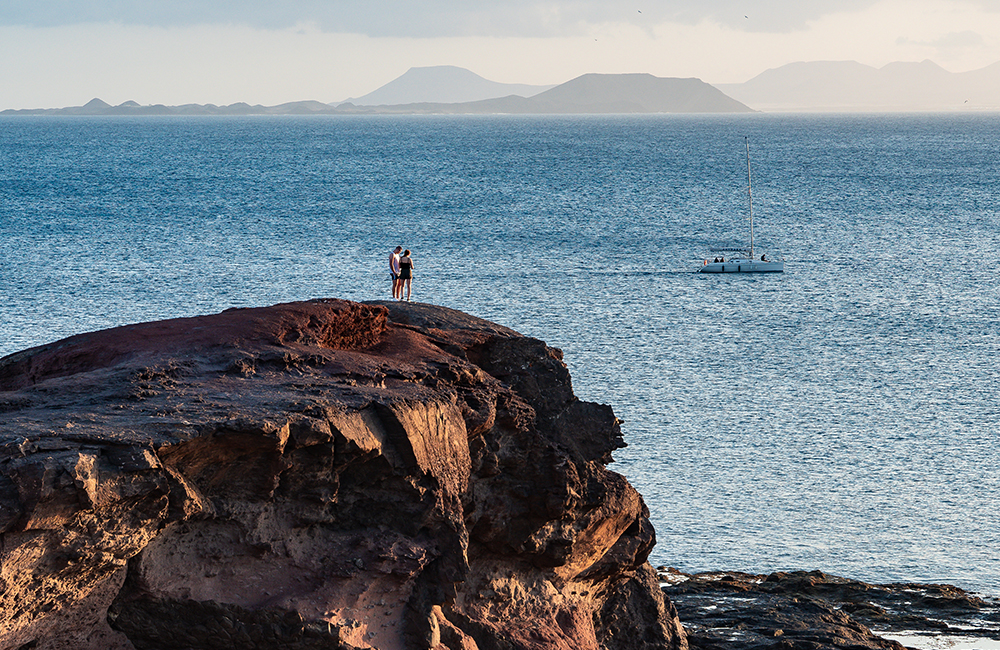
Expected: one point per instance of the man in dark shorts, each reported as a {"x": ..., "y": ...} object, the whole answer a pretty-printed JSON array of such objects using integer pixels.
[{"x": 397, "y": 286}]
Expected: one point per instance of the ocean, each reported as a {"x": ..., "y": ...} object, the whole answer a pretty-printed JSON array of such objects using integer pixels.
[{"x": 840, "y": 416}]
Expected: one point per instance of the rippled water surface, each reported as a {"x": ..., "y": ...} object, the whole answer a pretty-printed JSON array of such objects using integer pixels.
[{"x": 840, "y": 416}]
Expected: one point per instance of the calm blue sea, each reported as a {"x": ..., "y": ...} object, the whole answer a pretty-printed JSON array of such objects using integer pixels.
[{"x": 841, "y": 416}]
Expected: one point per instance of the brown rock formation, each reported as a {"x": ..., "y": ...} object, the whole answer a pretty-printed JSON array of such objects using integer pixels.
[{"x": 321, "y": 474}]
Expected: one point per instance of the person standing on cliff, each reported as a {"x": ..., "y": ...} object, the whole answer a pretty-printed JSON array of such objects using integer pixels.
[
  {"x": 397, "y": 284},
  {"x": 405, "y": 273}
]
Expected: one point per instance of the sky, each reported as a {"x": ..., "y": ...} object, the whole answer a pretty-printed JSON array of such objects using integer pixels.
[{"x": 56, "y": 53}]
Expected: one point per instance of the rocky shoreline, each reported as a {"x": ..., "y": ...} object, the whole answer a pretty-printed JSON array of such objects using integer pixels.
[
  {"x": 816, "y": 611},
  {"x": 338, "y": 475}
]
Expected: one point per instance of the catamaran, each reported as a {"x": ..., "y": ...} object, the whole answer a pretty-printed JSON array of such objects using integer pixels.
[{"x": 743, "y": 262}]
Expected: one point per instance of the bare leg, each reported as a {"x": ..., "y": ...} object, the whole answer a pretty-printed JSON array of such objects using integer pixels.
[{"x": 407, "y": 290}]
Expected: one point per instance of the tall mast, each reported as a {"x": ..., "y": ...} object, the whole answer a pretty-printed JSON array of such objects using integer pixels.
[{"x": 749, "y": 194}]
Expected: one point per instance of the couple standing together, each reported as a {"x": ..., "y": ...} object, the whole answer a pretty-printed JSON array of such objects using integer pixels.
[{"x": 401, "y": 267}]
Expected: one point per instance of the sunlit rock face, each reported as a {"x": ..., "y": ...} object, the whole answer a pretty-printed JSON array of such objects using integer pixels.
[{"x": 322, "y": 474}]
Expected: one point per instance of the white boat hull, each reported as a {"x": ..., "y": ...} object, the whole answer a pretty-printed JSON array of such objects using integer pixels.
[
  {"x": 743, "y": 266},
  {"x": 747, "y": 262}
]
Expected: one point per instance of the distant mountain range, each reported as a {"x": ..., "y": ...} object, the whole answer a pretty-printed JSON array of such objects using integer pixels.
[
  {"x": 851, "y": 86},
  {"x": 591, "y": 93},
  {"x": 798, "y": 87},
  {"x": 99, "y": 107},
  {"x": 442, "y": 84}
]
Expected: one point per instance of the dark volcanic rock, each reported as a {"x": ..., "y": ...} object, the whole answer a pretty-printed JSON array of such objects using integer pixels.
[
  {"x": 816, "y": 611},
  {"x": 322, "y": 474}
]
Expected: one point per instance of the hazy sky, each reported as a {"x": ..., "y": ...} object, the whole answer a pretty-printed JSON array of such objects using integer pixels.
[{"x": 57, "y": 53}]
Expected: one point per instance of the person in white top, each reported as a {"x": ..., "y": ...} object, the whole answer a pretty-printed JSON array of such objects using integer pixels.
[{"x": 397, "y": 285}]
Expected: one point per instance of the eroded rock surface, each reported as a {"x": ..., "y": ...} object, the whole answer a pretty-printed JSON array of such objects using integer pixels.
[
  {"x": 816, "y": 611},
  {"x": 316, "y": 475}
]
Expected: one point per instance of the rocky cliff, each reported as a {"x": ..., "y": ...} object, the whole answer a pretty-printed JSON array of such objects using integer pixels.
[{"x": 321, "y": 474}]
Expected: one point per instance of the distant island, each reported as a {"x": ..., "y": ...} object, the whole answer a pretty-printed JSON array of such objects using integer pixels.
[
  {"x": 587, "y": 94},
  {"x": 849, "y": 86},
  {"x": 815, "y": 86},
  {"x": 441, "y": 84}
]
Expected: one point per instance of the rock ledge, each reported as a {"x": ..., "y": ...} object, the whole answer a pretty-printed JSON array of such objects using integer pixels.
[
  {"x": 322, "y": 474},
  {"x": 812, "y": 610}
]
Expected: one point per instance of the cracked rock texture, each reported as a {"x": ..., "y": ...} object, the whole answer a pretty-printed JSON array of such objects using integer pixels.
[
  {"x": 322, "y": 474},
  {"x": 812, "y": 610}
]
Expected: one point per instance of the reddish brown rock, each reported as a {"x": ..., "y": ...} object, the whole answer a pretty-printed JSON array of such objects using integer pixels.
[{"x": 316, "y": 475}]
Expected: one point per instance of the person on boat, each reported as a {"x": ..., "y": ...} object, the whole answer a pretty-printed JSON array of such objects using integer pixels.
[
  {"x": 397, "y": 286},
  {"x": 405, "y": 273},
  {"x": 762, "y": 258}
]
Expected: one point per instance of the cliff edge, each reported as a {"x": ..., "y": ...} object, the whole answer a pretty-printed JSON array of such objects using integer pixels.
[{"x": 322, "y": 474}]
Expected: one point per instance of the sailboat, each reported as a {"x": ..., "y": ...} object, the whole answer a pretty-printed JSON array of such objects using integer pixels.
[{"x": 742, "y": 262}]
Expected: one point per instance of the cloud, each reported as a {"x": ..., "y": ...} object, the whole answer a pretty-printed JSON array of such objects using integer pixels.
[
  {"x": 430, "y": 18},
  {"x": 952, "y": 40},
  {"x": 62, "y": 53}
]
